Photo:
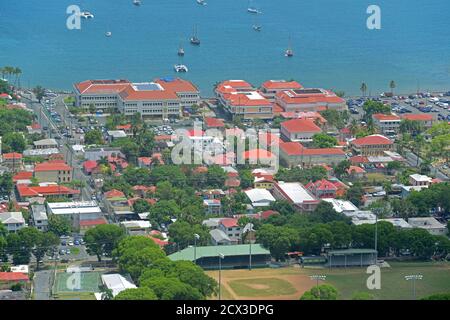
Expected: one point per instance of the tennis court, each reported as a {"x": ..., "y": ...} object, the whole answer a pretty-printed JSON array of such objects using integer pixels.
[{"x": 77, "y": 282}]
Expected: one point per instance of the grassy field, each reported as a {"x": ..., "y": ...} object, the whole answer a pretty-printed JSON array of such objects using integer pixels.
[
  {"x": 291, "y": 283},
  {"x": 88, "y": 282},
  {"x": 75, "y": 296}
]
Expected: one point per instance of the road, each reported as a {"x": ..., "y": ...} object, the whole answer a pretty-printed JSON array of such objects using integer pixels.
[
  {"x": 65, "y": 143},
  {"x": 42, "y": 284}
]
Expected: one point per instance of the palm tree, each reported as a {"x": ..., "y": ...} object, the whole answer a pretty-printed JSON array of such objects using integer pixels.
[
  {"x": 363, "y": 88},
  {"x": 17, "y": 73},
  {"x": 3, "y": 72},
  {"x": 354, "y": 127},
  {"x": 392, "y": 85}
]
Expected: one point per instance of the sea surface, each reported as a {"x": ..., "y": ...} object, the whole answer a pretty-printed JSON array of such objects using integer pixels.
[{"x": 332, "y": 45}]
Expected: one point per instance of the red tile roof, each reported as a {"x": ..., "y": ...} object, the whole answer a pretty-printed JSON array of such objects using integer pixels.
[
  {"x": 163, "y": 138},
  {"x": 322, "y": 185},
  {"x": 233, "y": 86},
  {"x": 229, "y": 222},
  {"x": 26, "y": 191},
  {"x": 214, "y": 123},
  {"x": 93, "y": 222},
  {"x": 12, "y": 156},
  {"x": 304, "y": 97},
  {"x": 358, "y": 159},
  {"x": 55, "y": 165},
  {"x": 23, "y": 175},
  {"x": 418, "y": 117},
  {"x": 323, "y": 151},
  {"x": 266, "y": 214},
  {"x": 130, "y": 94},
  {"x": 291, "y": 148},
  {"x": 281, "y": 84},
  {"x": 123, "y": 127},
  {"x": 375, "y": 139},
  {"x": 355, "y": 169},
  {"x": 243, "y": 99},
  {"x": 296, "y": 149},
  {"x": 13, "y": 276},
  {"x": 256, "y": 154},
  {"x": 114, "y": 193},
  {"x": 385, "y": 117},
  {"x": 159, "y": 242},
  {"x": 300, "y": 125},
  {"x": 177, "y": 85},
  {"x": 89, "y": 165},
  {"x": 102, "y": 86}
]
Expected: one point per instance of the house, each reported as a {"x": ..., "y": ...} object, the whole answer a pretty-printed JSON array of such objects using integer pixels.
[
  {"x": 13, "y": 161},
  {"x": 426, "y": 119},
  {"x": 219, "y": 238},
  {"x": 356, "y": 172},
  {"x": 45, "y": 144},
  {"x": 23, "y": 177},
  {"x": 39, "y": 216},
  {"x": 296, "y": 194},
  {"x": 322, "y": 189},
  {"x": 53, "y": 171},
  {"x": 103, "y": 152},
  {"x": 35, "y": 128},
  {"x": 234, "y": 256},
  {"x": 213, "y": 194},
  {"x": 48, "y": 153},
  {"x": 387, "y": 122},
  {"x": 85, "y": 225},
  {"x": 231, "y": 228},
  {"x": 299, "y": 130},
  {"x": 13, "y": 221},
  {"x": 212, "y": 206},
  {"x": 263, "y": 182},
  {"x": 117, "y": 283},
  {"x": 149, "y": 162},
  {"x": 127, "y": 128},
  {"x": 270, "y": 88},
  {"x": 295, "y": 154},
  {"x": 89, "y": 167},
  {"x": 430, "y": 224},
  {"x": 26, "y": 191},
  {"x": 373, "y": 145},
  {"x": 420, "y": 180},
  {"x": 260, "y": 197}
]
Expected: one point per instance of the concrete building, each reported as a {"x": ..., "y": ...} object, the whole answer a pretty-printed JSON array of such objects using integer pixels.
[
  {"x": 270, "y": 88},
  {"x": 296, "y": 194},
  {"x": 162, "y": 98},
  {"x": 427, "y": 120},
  {"x": 239, "y": 98},
  {"x": 294, "y": 154},
  {"x": 299, "y": 130},
  {"x": 420, "y": 180},
  {"x": 374, "y": 145},
  {"x": 53, "y": 171},
  {"x": 45, "y": 144},
  {"x": 212, "y": 206},
  {"x": 78, "y": 212},
  {"x": 314, "y": 99},
  {"x": 387, "y": 123}
]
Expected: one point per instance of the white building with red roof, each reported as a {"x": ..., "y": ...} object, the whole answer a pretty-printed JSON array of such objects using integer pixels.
[
  {"x": 295, "y": 154},
  {"x": 314, "y": 99},
  {"x": 270, "y": 88},
  {"x": 425, "y": 119},
  {"x": 299, "y": 130},
  {"x": 373, "y": 145},
  {"x": 239, "y": 98},
  {"x": 296, "y": 194},
  {"x": 53, "y": 171},
  {"x": 387, "y": 122},
  {"x": 161, "y": 98}
]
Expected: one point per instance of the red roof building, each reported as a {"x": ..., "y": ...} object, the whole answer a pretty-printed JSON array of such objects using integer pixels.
[
  {"x": 23, "y": 175},
  {"x": 426, "y": 119},
  {"x": 270, "y": 88},
  {"x": 322, "y": 189},
  {"x": 294, "y": 154},
  {"x": 299, "y": 100},
  {"x": 45, "y": 191},
  {"x": 89, "y": 166},
  {"x": 114, "y": 193},
  {"x": 229, "y": 222},
  {"x": 12, "y": 156},
  {"x": 13, "y": 277},
  {"x": 214, "y": 123},
  {"x": 373, "y": 145},
  {"x": 301, "y": 130}
]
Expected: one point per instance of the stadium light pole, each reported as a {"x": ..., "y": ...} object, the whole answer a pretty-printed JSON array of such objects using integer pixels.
[
  {"x": 221, "y": 256},
  {"x": 318, "y": 277},
  {"x": 196, "y": 237},
  {"x": 414, "y": 277}
]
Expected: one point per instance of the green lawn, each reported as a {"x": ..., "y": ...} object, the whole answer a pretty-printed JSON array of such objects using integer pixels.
[
  {"x": 436, "y": 279},
  {"x": 75, "y": 296},
  {"x": 261, "y": 287},
  {"x": 75, "y": 251}
]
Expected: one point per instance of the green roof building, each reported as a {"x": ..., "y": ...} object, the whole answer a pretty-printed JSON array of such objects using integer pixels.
[{"x": 234, "y": 256}]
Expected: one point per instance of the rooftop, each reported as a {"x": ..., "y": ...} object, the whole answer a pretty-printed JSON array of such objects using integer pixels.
[
  {"x": 295, "y": 191},
  {"x": 300, "y": 125},
  {"x": 375, "y": 139},
  {"x": 214, "y": 251}
]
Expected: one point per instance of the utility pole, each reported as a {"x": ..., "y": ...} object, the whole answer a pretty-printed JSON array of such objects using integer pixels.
[
  {"x": 221, "y": 256},
  {"x": 196, "y": 237}
]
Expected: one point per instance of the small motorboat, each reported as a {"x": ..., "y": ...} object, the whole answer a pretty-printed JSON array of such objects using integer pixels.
[
  {"x": 137, "y": 2},
  {"x": 87, "y": 15},
  {"x": 257, "y": 27},
  {"x": 180, "y": 68},
  {"x": 108, "y": 34},
  {"x": 202, "y": 2}
]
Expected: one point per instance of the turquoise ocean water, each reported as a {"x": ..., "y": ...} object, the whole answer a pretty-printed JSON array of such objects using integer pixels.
[{"x": 333, "y": 48}]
